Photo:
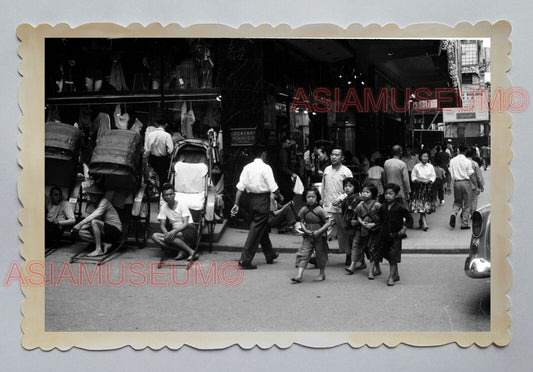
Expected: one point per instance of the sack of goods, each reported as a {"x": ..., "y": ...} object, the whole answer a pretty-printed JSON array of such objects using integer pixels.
[
  {"x": 117, "y": 157},
  {"x": 61, "y": 143}
]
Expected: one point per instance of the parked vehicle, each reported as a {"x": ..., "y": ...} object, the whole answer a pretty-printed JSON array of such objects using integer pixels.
[{"x": 477, "y": 264}]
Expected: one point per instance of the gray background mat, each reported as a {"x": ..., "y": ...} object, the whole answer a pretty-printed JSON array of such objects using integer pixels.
[{"x": 514, "y": 357}]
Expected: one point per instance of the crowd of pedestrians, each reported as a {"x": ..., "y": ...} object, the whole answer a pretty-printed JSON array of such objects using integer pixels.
[{"x": 369, "y": 216}]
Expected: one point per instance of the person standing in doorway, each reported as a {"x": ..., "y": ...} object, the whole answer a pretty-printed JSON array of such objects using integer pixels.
[
  {"x": 287, "y": 174},
  {"x": 158, "y": 148},
  {"x": 257, "y": 179}
]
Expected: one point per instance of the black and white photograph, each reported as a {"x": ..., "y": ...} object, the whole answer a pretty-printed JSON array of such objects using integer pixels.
[{"x": 246, "y": 185}]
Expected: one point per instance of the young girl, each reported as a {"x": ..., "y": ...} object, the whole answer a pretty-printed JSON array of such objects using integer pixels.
[
  {"x": 393, "y": 217},
  {"x": 102, "y": 226},
  {"x": 367, "y": 224},
  {"x": 353, "y": 198},
  {"x": 314, "y": 224}
]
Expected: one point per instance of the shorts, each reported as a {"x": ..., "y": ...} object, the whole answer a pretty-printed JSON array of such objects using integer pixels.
[{"x": 111, "y": 234}]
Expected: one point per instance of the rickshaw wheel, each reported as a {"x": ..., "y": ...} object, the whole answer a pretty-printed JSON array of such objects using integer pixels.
[{"x": 143, "y": 222}]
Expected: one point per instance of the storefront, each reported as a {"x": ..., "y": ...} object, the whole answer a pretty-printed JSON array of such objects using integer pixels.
[{"x": 247, "y": 90}]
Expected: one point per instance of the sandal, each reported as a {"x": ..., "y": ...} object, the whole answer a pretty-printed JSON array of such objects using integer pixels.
[{"x": 192, "y": 257}]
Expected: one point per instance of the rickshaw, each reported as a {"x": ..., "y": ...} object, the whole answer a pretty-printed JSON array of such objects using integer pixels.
[
  {"x": 61, "y": 154},
  {"x": 198, "y": 182},
  {"x": 117, "y": 166}
]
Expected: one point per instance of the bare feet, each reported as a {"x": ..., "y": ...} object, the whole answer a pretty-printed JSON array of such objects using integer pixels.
[
  {"x": 390, "y": 282},
  {"x": 181, "y": 256},
  {"x": 350, "y": 269},
  {"x": 320, "y": 278},
  {"x": 96, "y": 252},
  {"x": 106, "y": 247}
]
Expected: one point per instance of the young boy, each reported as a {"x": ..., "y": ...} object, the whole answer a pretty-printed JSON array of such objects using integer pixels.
[{"x": 393, "y": 218}]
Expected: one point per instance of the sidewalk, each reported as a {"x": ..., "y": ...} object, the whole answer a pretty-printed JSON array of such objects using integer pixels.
[{"x": 440, "y": 238}]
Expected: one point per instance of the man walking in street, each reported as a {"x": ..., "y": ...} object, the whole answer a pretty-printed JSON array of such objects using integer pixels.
[
  {"x": 158, "y": 147},
  {"x": 395, "y": 171},
  {"x": 332, "y": 189},
  {"x": 257, "y": 179},
  {"x": 464, "y": 184}
]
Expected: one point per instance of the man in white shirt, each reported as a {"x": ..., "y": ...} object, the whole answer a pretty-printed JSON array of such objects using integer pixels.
[
  {"x": 332, "y": 190},
  {"x": 158, "y": 148},
  {"x": 182, "y": 236},
  {"x": 464, "y": 184},
  {"x": 257, "y": 179}
]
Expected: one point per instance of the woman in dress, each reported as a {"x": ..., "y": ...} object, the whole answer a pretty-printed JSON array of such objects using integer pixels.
[{"x": 423, "y": 176}]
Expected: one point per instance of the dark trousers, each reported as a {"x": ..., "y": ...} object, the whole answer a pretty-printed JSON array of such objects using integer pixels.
[
  {"x": 259, "y": 205},
  {"x": 160, "y": 164}
]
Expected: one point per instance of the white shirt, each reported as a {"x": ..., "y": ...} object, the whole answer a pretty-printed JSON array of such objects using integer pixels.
[
  {"x": 423, "y": 172},
  {"x": 257, "y": 178},
  {"x": 175, "y": 214},
  {"x": 332, "y": 186},
  {"x": 461, "y": 168},
  {"x": 375, "y": 172},
  {"x": 158, "y": 142}
]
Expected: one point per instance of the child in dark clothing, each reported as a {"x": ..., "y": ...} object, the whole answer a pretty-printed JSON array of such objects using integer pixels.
[
  {"x": 367, "y": 221},
  {"x": 393, "y": 217},
  {"x": 353, "y": 198}
]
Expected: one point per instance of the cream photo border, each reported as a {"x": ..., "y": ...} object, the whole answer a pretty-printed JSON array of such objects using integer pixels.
[{"x": 31, "y": 159}]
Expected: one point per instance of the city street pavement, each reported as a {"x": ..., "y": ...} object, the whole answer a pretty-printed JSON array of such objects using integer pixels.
[{"x": 129, "y": 293}]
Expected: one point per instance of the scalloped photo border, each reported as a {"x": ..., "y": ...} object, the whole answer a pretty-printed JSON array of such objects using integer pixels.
[{"x": 31, "y": 160}]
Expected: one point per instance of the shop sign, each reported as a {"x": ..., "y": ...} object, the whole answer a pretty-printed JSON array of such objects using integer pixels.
[{"x": 242, "y": 136}]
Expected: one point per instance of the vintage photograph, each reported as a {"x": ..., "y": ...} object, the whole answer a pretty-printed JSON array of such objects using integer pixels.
[{"x": 252, "y": 186}]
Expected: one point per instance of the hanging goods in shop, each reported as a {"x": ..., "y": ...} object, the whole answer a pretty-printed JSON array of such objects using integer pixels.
[
  {"x": 187, "y": 120},
  {"x": 187, "y": 74}
]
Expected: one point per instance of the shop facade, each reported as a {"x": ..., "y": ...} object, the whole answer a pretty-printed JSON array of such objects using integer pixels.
[{"x": 356, "y": 94}]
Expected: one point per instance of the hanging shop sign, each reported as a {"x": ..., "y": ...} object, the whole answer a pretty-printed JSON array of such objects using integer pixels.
[{"x": 243, "y": 136}]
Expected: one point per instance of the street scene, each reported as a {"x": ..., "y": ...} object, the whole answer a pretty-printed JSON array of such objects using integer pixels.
[
  {"x": 267, "y": 185},
  {"x": 434, "y": 294}
]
